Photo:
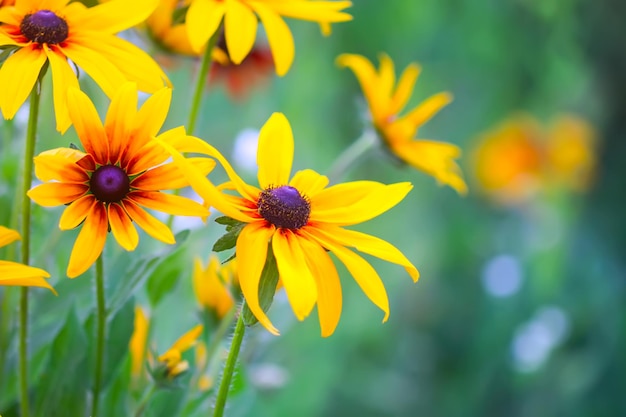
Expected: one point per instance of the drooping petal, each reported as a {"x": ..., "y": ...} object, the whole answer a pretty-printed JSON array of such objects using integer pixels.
[
  {"x": 294, "y": 273},
  {"x": 203, "y": 19},
  {"x": 251, "y": 255},
  {"x": 240, "y": 26},
  {"x": 90, "y": 242},
  {"x": 8, "y": 236},
  {"x": 116, "y": 15},
  {"x": 120, "y": 119},
  {"x": 309, "y": 182},
  {"x": 169, "y": 176},
  {"x": 75, "y": 213},
  {"x": 17, "y": 78},
  {"x": 62, "y": 79},
  {"x": 88, "y": 125},
  {"x": 367, "y": 77},
  {"x": 275, "y": 152},
  {"x": 168, "y": 203},
  {"x": 122, "y": 228},
  {"x": 55, "y": 193},
  {"x": 279, "y": 37},
  {"x": 149, "y": 223},
  {"x": 427, "y": 109},
  {"x": 12, "y": 273}
]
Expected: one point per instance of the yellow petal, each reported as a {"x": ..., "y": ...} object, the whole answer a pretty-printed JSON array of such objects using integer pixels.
[
  {"x": 427, "y": 109},
  {"x": 386, "y": 76},
  {"x": 168, "y": 203},
  {"x": 138, "y": 341},
  {"x": 88, "y": 125},
  {"x": 8, "y": 236},
  {"x": 17, "y": 78},
  {"x": 122, "y": 228},
  {"x": 294, "y": 273},
  {"x": 62, "y": 79},
  {"x": 56, "y": 167},
  {"x": 200, "y": 283},
  {"x": 240, "y": 26},
  {"x": 120, "y": 118},
  {"x": 368, "y": 79},
  {"x": 138, "y": 159},
  {"x": 152, "y": 113},
  {"x": 15, "y": 274},
  {"x": 75, "y": 213},
  {"x": 55, "y": 193},
  {"x": 188, "y": 339},
  {"x": 169, "y": 176},
  {"x": 275, "y": 152},
  {"x": 317, "y": 11},
  {"x": 404, "y": 88},
  {"x": 251, "y": 254},
  {"x": 203, "y": 19},
  {"x": 90, "y": 242},
  {"x": 149, "y": 223},
  {"x": 279, "y": 37},
  {"x": 309, "y": 182},
  {"x": 116, "y": 15}
]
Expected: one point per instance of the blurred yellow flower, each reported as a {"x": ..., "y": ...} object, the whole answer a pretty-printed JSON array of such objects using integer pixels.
[
  {"x": 241, "y": 17},
  {"x": 168, "y": 32},
  {"x": 386, "y": 100},
  {"x": 172, "y": 358},
  {"x": 302, "y": 219},
  {"x": 13, "y": 273},
  {"x": 121, "y": 169},
  {"x": 520, "y": 158},
  {"x": 54, "y": 32},
  {"x": 138, "y": 342},
  {"x": 211, "y": 284}
]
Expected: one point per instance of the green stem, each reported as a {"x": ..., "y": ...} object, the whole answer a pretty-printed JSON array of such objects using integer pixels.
[
  {"x": 144, "y": 400},
  {"x": 218, "y": 335},
  {"x": 100, "y": 336},
  {"x": 201, "y": 78},
  {"x": 348, "y": 157},
  {"x": 229, "y": 368},
  {"x": 29, "y": 153}
]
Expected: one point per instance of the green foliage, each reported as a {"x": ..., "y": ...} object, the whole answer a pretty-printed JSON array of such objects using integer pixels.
[
  {"x": 267, "y": 287},
  {"x": 229, "y": 239}
]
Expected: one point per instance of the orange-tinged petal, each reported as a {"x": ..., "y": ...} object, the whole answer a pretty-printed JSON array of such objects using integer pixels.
[
  {"x": 279, "y": 37},
  {"x": 141, "y": 158},
  {"x": 116, "y": 15},
  {"x": 57, "y": 167},
  {"x": 275, "y": 152},
  {"x": 240, "y": 26},
  {"x": 309, "y": 182},
  {"x": 17, "y": 78},
  {"x": 56, "y": 193},
  {"x": 120, "y": 119},
  {"x": 251, "y": 254},
  {"x": 88, "y": 125},
  {"x": 63, "y": 77},
  {"x": 168, "y": 203},
  {"x": 404, "y": 89},
  {"x": 122, "y": 228},
  {"x": 203, "y": 19},
  {"x": 149, "y": 223},
  {"x": 169, "y": 176},
  {"x": 75, "y": 213},
  {"x": 352, "y": 212},
  {"x": 90, "y": 242},
  {"x": 294, "y": 273},
  {"x": 329, "y": 298},
  {"x": 8, "y": 236},
  {"x": 152, "y": 114},
  {"x": 427, "y": 109}
]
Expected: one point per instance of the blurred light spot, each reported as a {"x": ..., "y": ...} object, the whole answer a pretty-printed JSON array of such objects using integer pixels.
[
  {"x": 268, "y": 376},
  {"x": 534, "y": 340},
  {"x": 244, "y": 150},
  {"x": 502, "y": 276}
]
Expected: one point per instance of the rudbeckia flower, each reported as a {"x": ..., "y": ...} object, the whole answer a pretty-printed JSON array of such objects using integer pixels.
[
  {"x": 204, "y": 18},
  {"x": 398, "y": 132},
  {"x": 121, "y": 169},
  {"x": 172, "y": 360},
  {"x": 13, "y": 273},
  {"x": 302, "y": 219},
  {"x": 56, "y": 32},
  {"x": 211, "y": 284}
]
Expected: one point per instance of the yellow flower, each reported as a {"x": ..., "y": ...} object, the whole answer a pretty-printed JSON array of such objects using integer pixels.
[
  {"x": 138, "y": 342},
  {"x": 121, "y": 169},
  {"x": 211, "y": 285},
  {"x": 169, "y": 33},
  {"x": 56, "y": 32},
  {"x": 172, "y": 358},
  {"x": 204, "y": 18},
  {"x": 13, "y": 273},
  {"x": 398, "y": 132},
  {"x": 302, "y": 218}
]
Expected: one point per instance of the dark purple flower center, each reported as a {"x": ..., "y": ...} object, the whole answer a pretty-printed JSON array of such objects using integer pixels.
[
  {"x": 109, "y": 184},
  {"x": 284, "y": 207},
  {"x": 44, "y": 26}
]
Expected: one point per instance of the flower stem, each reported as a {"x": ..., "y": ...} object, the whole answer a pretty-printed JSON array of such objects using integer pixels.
[
  {"x": 348, "y": 157},
  {"x": 31, "y": 135},
  {"x": 201, "y": 77},
  {"x": 229, "y": 368},
  {"x": 100, "y": 336},
  {"x": 144, "y": 400}
]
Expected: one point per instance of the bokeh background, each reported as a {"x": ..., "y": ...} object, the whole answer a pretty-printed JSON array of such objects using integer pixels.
[{"x": 520, "y": 308}]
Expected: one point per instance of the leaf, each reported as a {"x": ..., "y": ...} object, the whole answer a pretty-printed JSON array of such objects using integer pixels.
[
  {"x": 227, "y": 221},
  {"x": 164, "y": 278},
  {"x": 229, "y": 239},
  {"x": 267, "y": 287}
]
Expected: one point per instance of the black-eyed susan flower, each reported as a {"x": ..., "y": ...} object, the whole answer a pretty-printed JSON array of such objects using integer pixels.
[
  {"x": 211, "y": 285},
  {"x": 386, "y": 100},
  {"x": 59, "y": 33},
  {"x": 303, "y": 220},
  {"x": 241, "y": 17},
  {"x": 121, "y": 169},
  {"x": 13, "y": 273},
  {"x": 172, "y": 362}
]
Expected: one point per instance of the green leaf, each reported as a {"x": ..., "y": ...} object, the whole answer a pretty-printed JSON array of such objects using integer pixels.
[
  {"x": 229, "y": 239},
  {"x": 267, "y": 287},
  {"x": 165, "y": 277},
  {"x": 226, "y": 221}
]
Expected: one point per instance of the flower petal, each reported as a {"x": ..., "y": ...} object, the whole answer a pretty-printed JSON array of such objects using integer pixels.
[
  {"x": 15, "y": 274},
  {"x": 153, "y": 112},
  {"x": 90, "y": 242},
  {"x": 309, "y": 182},
  {"x": 62, "y": 79},
  {"x": 316, "y": 11},
  {"x": 116, "y": 15},
  {"x": 279, "y": 37},
  {"x": 149, "y": 223},
  {"x": 75, "y": 213},
  {"x": 57, "y": 167},
  {"x": 404, "y": 89},
  {"x": 122, "y": 228},
  {"x": 251, "y": 255},
  {"x": 294, "y": 273},
  {"x": 275, "y": 152},
  {"x": 120, "y": 119},
  {"x": 169, "y": 176},
  {"x": 367, "y": 77},
  {"x": 427, "y": 109},
  {"x": 240, "y": 26},
  {"x": 168, "y": 203},
  {"x": 386, "y": 77},
  {"x": 188, "y": 339},
  {"x": 203, "y": 20},
  {"x": 56, "y": 193},
  {"x": 8, "y": 236},
  {"x": 88, "y": 125},
  {"x": 18, "y": 75}
]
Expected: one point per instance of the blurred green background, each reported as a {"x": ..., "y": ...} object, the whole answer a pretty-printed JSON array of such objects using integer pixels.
[{"x": 519, "y": 310}]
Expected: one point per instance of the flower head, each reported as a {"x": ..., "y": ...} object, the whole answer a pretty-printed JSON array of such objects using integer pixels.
[
  {"x": 121, "y": 169},
  {"x": 398, "y": 132},
  {"x": 172, "y": 359},
  {"x": 241, "y": 17},
  {"x": 211, "y": 285},
  {"x": 13, "y": 273},
  {"x": 302, "y": 219},
  {"x": 56, "y": 32}
]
